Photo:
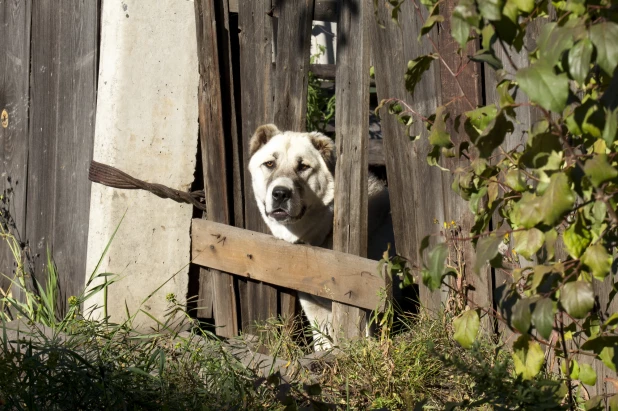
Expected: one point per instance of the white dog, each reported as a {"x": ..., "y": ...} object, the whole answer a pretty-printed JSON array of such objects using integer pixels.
[{"x": 294, "y": 186}]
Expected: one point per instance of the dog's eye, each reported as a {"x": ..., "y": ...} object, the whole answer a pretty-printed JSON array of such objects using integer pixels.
[
  {"x": 269, "y": 164},
  {"x": 303, "y": 167}
]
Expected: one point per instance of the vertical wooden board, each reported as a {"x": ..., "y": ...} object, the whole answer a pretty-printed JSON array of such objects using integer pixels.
[
  {"x": 415, "y": 188},
  {"x": 14, "y": 82},
  {"x": 227, "y": 56},
  {"x": 462, "y": 92},
  {"x": 213, "y": 148},
  {"x": 291, "y": 75},
  {"x": 61, "y": 137},
  {"x": 526, "y": 115},
  {"x": 352, "y": 130},
  {"x": 258, "y": 301}
]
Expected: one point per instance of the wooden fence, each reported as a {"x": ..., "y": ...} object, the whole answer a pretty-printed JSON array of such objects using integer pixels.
[
  {"x": 254, "y": 62},
  {"x": 48, "y": 83}
]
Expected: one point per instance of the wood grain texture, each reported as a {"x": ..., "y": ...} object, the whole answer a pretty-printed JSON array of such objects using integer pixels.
[
  {"x": 64, "y": 54},
  {"x": 213, "y": 148},
  {"x": 526, "y": 115},
  {"x": 258, "y": 302},
  {"x": 14, "y": 85},
  {"x": 351, "y": 129},
  {"x": 323, "y": 10},
  {"x": 415, "y": 188},
  {"x": 291, "y": 76},
  {"x": 299, "y": 267},
  {"x": 464, "y": 92}
]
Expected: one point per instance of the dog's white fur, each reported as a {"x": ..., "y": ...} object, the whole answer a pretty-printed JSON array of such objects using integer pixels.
[{"x": 303, "y": 164}]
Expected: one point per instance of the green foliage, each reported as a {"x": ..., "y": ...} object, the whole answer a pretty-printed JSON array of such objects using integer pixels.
[
  {"x": 556, "y": 195},
  {"x": 320, "y": 102}
]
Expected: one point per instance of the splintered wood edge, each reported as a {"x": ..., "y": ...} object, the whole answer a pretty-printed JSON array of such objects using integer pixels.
[{"x": 325, "y": 273}]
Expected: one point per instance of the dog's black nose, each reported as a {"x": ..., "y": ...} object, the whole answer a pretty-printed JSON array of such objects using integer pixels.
[{"x": 280, "y": 195}]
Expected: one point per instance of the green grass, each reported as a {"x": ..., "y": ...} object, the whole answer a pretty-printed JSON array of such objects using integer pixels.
[{"x": 82, "y": 362}]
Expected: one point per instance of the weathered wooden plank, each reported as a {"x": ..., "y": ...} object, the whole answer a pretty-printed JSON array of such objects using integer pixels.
[
  {"x": 323, "y": 10},
  {"x": 228, "y": 35},
  {"x": 258, "y": 301},
  {"x": 64, "y": 54},
  {"x": 299, "y": 267},
  {"x": 415, "y": 188},
  {"x": 462, "y": 91},
  {"x": 291, "y": 75},
  {"x": 352, "y": 129},
  {"x": 214, "y": 164},
  {"x": 328, "y": 72},
  {"x": 292, "y": 62},
  {"x": 14, "y": 84}
]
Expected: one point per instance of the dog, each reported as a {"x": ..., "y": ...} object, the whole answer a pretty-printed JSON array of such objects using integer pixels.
[{"x": 292, "y": 175}]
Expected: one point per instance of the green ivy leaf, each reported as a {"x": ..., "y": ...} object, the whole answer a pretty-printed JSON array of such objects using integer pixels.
[
  {"x": 503, "y": 88},
  {"x": 613, "y": 403},
  {"x": 516, "y": 179},
  {"x": 577, "y": 298},
  {"x": 598, "y": 261},
  {"x": 543, "y": 152},
  {"x": 544, "y": 88},
  {"x": 579, "y": 60},
  {"x": 493, "y": 135},
  {"x": 432, "y": 274},
  {"x": 416, "y": 69},
  {"x": 528, "y": 242},
  {"x": 527, "y": 211},
  {"x": 610, "y": 130},
  {"x": 543, "y": 317},
  {"x": 486, "y": 250},
  {"x": 489, "y": 57},
  {"x": 490, "y": 9},
  {"x": 604, "y": 36},
  {"x": 599, "y": 170},
  {"x": 528, "y": 357},
  {"x": 557, "y": 199},
  {"x": 466, "y": 328},
  {"x": 438, "y": 135},
  {"x": 573, "y": 369},
  {"x": 521, "y": 316},
  {"x": 552, "y": 41},
  {"x": 604, "y": 347},
  {"x": 595, "y": 404},
  {"x": 577, "y": 237},
  {"x": 587, "y": 375},
  {"x": 524, "y": 5},
  {"x": 432, "y": 20}
]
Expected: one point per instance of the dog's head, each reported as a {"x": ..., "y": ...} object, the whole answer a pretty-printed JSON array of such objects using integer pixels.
[{"x": 291, "y": 172}]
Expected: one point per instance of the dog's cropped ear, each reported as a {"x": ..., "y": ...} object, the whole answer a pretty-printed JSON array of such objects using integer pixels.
[
  {"x": 261, "y": 136},
  {"x": 326, "y": 146}
]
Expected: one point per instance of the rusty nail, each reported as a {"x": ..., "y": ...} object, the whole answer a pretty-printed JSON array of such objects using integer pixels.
[{"x": 249, "y": 256}]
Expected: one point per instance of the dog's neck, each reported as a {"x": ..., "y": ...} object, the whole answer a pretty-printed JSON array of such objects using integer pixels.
[{"x": 315, "y": 228}]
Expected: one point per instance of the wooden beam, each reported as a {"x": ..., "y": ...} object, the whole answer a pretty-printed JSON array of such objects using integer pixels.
[
  {"x": 291, "y": 75},
  {"x": 212, "y": 141},
  {"x": 352, "y": 129},
  {"x": 15, "y": 20},
  {"x": 415, "y": 188},
  {"x": 258, "y": 301},
  {"x": 299, "y": 267},
  {"x": 63, "y": 86},
  {"x": 323, "y": 10}
]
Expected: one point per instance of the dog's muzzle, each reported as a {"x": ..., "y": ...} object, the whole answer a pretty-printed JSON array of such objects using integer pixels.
[{"x": 280, "y": 197}]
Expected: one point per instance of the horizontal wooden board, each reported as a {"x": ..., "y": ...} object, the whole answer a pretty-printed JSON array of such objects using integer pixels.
[
  {"x": 324, "y": 10},
  {"x": 318, "y": 271}
]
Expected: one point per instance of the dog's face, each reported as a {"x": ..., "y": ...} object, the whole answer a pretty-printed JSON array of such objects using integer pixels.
[{"x": 291, "y": 173}]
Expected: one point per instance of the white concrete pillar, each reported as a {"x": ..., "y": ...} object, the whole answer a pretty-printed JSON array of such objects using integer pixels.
[{"x": 146, "y": 125}]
